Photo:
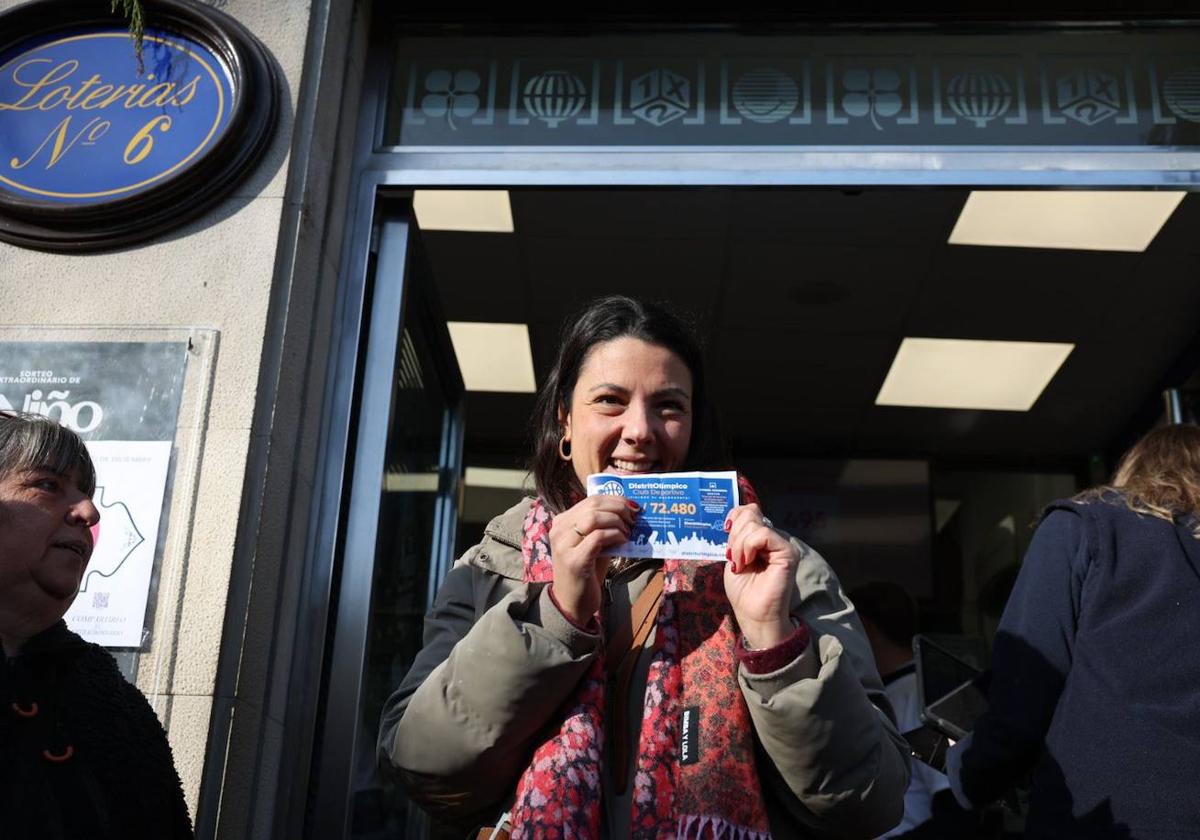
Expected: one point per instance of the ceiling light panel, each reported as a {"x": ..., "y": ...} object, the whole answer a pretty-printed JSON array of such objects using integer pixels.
[
  {"x": 1097, "y": 220},
  {"x": 971, "y": 374},
  {"x": 493, "y": 357},
  {"x": 473, "y": 211},
  {"x": 500, "y": 479}
]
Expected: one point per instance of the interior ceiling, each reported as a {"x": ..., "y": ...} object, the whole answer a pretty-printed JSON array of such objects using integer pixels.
[{"x": 802, "y": 298}]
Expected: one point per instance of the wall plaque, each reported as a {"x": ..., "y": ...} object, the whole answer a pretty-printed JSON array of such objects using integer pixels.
[
  {"x": 96, "y": 151},
  {"x": 139, "y": 399}
]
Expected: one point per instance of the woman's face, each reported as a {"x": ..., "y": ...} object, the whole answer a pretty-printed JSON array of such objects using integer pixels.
[
  {"x": 631, "y": 411},
  {"x": 45, "y": 543}
]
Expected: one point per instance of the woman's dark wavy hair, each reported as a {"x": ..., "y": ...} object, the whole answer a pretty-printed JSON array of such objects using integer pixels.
[{"x": 605, "y": 319}]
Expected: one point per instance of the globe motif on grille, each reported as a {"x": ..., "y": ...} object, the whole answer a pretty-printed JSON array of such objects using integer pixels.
[
  {"x": 765, "y": 95},
  {"x": 1182, "y": 93},
  {"x": 555, "y": 96},
  {"x": 979, "y": 97}
]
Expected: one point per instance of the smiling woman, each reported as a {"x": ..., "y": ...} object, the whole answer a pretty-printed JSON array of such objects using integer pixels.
[
  {"x": 561, "y": 694},
  {"x": 85, "y": 755},
  {"x": 620, "y": 339}
]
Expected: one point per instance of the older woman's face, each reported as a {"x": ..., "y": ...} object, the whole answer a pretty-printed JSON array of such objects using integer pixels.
[
  {"x": 45, "y": 542},
  {"x": 631, "y": 411}
]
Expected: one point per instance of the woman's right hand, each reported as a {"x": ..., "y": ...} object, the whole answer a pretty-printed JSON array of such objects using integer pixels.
[{"x": 577, "y": 536}]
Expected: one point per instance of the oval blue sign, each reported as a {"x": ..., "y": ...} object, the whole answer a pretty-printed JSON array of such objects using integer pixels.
[{"x": 80, "y": 125}]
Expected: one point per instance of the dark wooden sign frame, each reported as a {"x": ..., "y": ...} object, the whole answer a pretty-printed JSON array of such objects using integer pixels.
[{"x": 54, "y": 226}]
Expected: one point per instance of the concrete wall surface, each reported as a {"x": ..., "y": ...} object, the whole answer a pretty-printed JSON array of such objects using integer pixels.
[{"x": 215, "y": 272}]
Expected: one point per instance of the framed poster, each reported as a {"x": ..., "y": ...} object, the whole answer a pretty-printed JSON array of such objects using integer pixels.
[{"x": 124, "y": 398}]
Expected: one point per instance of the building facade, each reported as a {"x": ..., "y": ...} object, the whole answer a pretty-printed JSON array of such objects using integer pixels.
[{"x": 301, "y": 289}]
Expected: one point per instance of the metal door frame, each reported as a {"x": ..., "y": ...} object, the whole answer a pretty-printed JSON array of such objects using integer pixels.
[
  {"x": 339, "y": 720},
  {"x": 390, "y": 304},
  {"x": 381, "y": 173}
]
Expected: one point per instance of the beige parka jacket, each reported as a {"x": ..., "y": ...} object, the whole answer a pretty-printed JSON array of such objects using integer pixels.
[{"x": 499, "y": 659}]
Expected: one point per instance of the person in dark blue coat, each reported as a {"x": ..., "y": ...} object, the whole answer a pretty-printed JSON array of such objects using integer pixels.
[{"x": 1096, "y": 675}]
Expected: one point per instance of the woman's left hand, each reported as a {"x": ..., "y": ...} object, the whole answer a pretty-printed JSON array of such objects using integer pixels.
[{"x": 760, "y": 577}]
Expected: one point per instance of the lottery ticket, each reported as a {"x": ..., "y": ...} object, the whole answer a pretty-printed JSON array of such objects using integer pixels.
[{"x": 682, "y": 514}]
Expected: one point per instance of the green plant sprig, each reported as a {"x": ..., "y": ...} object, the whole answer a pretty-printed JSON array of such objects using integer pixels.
[{"x": 132, "y": 9}]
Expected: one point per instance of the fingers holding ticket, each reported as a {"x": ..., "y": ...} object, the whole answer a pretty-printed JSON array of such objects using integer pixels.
[{"x": 682, "y": 514}]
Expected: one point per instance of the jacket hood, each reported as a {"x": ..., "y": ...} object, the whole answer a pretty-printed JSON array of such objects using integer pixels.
[{"x": 500, "y": 551}]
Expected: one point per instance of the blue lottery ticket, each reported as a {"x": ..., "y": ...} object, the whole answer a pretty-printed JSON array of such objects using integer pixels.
[{"x": 682, "y": 514}]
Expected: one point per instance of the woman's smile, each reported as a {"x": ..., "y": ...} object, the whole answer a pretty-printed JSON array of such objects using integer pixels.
[{"x": 630, "y": 467}]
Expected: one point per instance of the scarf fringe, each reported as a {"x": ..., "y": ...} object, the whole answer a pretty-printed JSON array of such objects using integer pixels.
[{"x": 692, "y": 827}]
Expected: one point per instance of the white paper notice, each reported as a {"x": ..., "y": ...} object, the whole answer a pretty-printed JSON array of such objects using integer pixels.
[{"x": 131, "y": 479}]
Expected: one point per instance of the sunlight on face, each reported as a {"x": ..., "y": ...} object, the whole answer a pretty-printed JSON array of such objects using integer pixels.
[
  {"x": 631, "y": 410},
  {"x": 45, "y": 543}
]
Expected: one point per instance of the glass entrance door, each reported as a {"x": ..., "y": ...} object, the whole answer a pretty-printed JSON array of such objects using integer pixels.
[{"x": 400, "y": 526}]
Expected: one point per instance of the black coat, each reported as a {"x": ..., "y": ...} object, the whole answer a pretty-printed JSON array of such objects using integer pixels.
[{"x": 114, "y": 776}]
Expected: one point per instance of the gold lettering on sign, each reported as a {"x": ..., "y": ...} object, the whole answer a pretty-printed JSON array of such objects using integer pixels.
[
  {"x": 41, "y": 93},
  {"x": 156, "y": 96},
  {"x": 48, "y": 86},
  {"x": 187, "y": 92},
  {"x": 56, "y": 88},
  {"x": 73, "y": 102},
  {"x": 56, "y": 74},
  {"x": 92, "y": 131},
  {"x": 99, "y": 93},
  {"x": 144, "y": 139}
]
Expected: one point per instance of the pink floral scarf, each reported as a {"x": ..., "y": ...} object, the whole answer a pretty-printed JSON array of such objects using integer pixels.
[{"x": 693, "y": 666}]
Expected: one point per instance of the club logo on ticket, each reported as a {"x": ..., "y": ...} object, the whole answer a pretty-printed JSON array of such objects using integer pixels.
[{"x": 683, "y": 514}]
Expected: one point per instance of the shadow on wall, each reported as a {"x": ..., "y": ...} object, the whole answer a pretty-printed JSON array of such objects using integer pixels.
[{"x": 260, "y": 175}]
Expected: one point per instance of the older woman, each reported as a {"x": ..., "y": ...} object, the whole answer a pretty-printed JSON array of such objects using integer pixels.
[
  {"x": 83, "y": 753},
  {"x": 1095, "y": 677},
  {"x": 593, "y": 698}
]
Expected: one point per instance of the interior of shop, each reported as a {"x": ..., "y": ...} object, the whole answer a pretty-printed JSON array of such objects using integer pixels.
[
  {"x": 855, "y": 345},
  {"x": 803, "y": 299}
]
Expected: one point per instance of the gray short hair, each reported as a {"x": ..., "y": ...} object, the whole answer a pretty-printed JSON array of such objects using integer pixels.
[{"x": 32, "y": 442}]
